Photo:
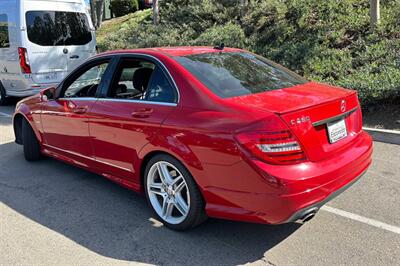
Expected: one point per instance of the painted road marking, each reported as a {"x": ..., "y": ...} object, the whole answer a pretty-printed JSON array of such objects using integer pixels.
[
  {"x": 359, "y": 218},
  {"x": 4, "y": 114}
]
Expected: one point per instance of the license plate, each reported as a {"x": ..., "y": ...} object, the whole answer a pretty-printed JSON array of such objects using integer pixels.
[{"x": 337, "y": 130}]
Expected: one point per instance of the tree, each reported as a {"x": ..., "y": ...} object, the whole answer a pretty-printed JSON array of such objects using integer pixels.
[
  {"x": 100, "y": 12},
  {"x": 93, "y": 12},
  {"x": 156, "y": 12},
  {"x": 375, "y": 13},
  {"x": 96, "y": 12}
]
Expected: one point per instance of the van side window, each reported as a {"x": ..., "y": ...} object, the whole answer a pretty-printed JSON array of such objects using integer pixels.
[
  {"x": 58, "y": 28},
  {"x": 4, "y": 37},
  {"x": 85, "y": 84}
]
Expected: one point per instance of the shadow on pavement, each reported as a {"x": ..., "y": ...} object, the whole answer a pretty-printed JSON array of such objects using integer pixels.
[
  {"x": 6, "y": 112},
  {"x": 115, "y": 222}
]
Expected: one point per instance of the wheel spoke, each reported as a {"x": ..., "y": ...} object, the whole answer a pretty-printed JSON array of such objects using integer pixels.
[
  {"x": 167, "y": 208},
  {"x": 165, "y": 177},
  {"x": 180, "y": 185},
  {"x": 156, "y": 188},
  {"x": 176, "y": 180},
  {"x": 181, "y": 205}
]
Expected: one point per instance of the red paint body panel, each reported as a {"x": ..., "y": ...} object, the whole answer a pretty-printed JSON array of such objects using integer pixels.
[
  {"x": 296, "y": 98},
  {"x": 66, "y": 130},
  {"x": 200, "y": 132},
  {"x": 118, "y": 137}
]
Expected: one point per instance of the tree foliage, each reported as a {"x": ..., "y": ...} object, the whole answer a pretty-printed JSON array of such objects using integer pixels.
[
  {"x": 123, "y": 7},
  {"x": 329, "y": 41}
]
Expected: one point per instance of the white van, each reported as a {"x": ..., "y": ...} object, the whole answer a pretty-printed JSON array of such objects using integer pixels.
[{"x": 41, "y": 41}]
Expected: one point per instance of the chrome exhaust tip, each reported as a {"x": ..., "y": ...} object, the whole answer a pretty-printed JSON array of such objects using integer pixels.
[{"x": 308, "y": 216}]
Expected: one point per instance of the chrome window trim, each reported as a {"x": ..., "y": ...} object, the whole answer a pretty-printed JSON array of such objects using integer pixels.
[
  {"x": 154, "y": 58},
  {"x": 115, "y": 100},
  {"x": 135, "y": 101},
  {"x": 77, "y": 98}
]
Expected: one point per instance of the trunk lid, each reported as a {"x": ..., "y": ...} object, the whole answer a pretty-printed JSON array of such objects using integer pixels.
[{"x": 307, "y": 109}]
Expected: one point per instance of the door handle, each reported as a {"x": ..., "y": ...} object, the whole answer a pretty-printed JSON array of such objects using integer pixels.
[
  {"x": 74, "y": 57},
  {"x": 142, "y": 113},
  {"x": 80, "y": 110}
]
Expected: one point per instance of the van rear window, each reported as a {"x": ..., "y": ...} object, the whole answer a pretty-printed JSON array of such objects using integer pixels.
[
  {"x": 57, "y": 28},
  {"x": 4, "y": 38}
]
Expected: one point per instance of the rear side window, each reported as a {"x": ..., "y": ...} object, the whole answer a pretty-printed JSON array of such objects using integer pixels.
[
  {"x": 57, "y": 28},
  {"x": 4, "y": 37},
  {"x": 238, "y": 73},
  {"x": 160, "y": 90},
  {"x": 138, "y": 79}
]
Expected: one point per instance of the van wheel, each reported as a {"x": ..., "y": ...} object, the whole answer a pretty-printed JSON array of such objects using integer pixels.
[
  {"x": 3, "y": 96},
  {"x": 173, "y": 194},
  {"x": 30, "y": 142}
]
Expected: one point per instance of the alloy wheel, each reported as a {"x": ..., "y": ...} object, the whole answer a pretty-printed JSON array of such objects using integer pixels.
[{"x": 168, "y": 192}]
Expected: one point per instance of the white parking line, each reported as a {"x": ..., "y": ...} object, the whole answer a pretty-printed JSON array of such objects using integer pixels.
[
  {"x": 4, "y": 114},
  {"x": 356, "y": 217}
]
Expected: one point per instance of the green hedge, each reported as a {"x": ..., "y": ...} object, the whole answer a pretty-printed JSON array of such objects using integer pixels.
[
  {"x": 328, "y": 41},
  {"x": 123, "y": 7}
]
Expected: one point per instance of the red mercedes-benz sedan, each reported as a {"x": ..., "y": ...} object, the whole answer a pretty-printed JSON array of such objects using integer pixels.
[{"x": 202, "y": 131}]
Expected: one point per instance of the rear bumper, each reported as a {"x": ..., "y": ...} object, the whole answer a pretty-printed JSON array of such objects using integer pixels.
[
  {"x": 316, "y": 206},
  {"x": 279, "y": 194}
]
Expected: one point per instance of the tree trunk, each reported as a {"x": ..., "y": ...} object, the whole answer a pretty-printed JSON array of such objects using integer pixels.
[
  {"x": 375, "y": 13},
  {"x": 100, "y": 12},
  {"x": 93, "y": 12},
  {"x": 156, "y": 13}
]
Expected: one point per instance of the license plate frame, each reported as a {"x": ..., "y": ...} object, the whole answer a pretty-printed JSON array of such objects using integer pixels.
[{"x": 337, "y": 130}]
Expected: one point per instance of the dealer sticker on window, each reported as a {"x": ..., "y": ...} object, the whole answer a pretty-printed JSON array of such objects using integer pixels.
[{"x": 337, "y": 130}]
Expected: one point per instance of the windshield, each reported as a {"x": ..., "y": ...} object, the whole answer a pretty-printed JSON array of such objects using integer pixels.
[
  {"x": 238, "y": 73},
  {"x": 57, "y": 28}
]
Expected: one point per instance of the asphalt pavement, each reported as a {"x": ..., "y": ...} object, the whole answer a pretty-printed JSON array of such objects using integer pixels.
[{"x": 54, "y": 213}]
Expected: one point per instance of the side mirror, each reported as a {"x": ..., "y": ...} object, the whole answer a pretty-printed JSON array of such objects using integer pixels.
[{"x": 47, "y": 94}]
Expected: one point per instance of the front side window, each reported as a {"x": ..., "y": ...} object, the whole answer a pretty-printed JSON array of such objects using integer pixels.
[
  {"x": 57, "y": 28},
  {"x": 4, "y": 37},
  {"x": 86, "y": 84},
  {"x": 238, "y": 73}
]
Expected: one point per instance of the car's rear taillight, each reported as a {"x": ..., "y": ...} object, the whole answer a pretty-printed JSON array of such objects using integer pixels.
[
  {"x": 279, "y": 147},
  {"x": 24, "y": 61}
]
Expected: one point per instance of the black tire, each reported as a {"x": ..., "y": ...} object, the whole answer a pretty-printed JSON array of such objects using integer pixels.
[
  {"x": 3, "y": 96},
  {"x": 196, "y": 214},
  {"x": 30, "y": 142}
]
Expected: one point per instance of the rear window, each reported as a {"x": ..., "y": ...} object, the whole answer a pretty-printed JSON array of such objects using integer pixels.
[
  {"x": 4, "y": 38},
  {"x": 57, "y": 28},
  {"x": 238, "y": 73}
]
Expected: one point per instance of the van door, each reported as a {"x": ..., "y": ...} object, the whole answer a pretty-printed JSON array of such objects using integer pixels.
[
  {"x": 45, "y": 46},
  {"x": 59, "y": 42},
  {"x": 9, "y": 62},
  {"x": 79, "y": 40}
]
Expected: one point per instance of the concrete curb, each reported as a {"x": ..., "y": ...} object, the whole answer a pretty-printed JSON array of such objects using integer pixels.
[{"x": 384, "y": 135}]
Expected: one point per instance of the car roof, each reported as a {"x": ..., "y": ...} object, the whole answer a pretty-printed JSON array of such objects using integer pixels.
[{"x": 175, "y": 51}]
